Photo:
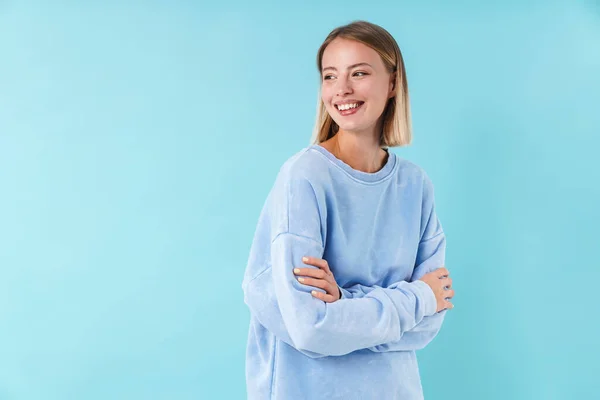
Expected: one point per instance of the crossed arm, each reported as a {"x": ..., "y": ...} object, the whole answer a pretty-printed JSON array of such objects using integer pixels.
[{"x": 400, "y": 317}]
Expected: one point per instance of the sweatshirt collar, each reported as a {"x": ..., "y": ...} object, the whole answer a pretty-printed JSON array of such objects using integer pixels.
[{"x": 360, "y": 175}]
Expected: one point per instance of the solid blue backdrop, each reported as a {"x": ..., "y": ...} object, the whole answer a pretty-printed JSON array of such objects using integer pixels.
[{"x": 138, "y": 142}]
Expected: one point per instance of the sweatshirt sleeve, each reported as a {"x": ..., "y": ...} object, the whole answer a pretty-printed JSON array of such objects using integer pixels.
[
  {"x": 260, "y": 296},
  {"x": 430, "y": 256},
  {"x": 381, "y": 316}
]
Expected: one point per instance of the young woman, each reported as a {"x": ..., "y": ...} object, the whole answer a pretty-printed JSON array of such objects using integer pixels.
[{"x": 345, "y": 279}]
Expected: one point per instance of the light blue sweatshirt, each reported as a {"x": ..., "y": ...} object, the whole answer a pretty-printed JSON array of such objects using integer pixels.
[{"x": 379, "y": 233}]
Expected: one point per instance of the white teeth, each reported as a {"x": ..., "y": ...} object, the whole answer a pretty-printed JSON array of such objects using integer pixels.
[{"x": 343, "y": 107}]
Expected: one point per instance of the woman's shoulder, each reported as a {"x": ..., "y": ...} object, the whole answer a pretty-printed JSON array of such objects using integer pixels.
[
  {"x": 305, "y": 164},
  {"x": 302, "y": 176},
  {"x": 410, "y": 170}
]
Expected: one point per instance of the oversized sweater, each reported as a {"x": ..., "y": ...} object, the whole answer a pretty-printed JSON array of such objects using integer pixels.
[{"x": 379, "y": 233}]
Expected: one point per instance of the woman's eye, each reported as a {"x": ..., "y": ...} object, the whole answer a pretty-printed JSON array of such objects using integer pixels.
[{"x": 329, "y": 77}]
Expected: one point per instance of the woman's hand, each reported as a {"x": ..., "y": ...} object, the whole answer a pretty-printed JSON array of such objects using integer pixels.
[
  {"x": 321, "y": 278},
  {"x": 441, "y": 284}
]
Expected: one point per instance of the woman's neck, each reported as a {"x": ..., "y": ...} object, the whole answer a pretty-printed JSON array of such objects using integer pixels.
[{"x": 359, "y": 152}]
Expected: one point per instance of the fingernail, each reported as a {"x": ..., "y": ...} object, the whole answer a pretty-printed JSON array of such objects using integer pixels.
[
  {"x": 301, "y": 279},
  {"x": 313, "y": 293},
  {"x": 305, "y": 259}
]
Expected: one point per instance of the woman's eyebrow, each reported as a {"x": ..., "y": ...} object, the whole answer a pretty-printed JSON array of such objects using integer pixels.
[{"x": 350, "y": 66}]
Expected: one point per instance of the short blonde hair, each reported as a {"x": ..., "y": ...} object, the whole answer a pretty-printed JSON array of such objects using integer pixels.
[{"x": 397, "y": 124}]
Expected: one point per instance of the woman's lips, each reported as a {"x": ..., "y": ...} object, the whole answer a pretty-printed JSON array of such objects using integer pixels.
[{"x": 350, "y": 111}]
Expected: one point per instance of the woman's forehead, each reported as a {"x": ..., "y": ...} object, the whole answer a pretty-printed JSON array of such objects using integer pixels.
[{"x": 342, "y": 53}]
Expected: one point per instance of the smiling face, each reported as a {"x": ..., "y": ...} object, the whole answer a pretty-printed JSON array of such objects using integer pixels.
[{"x": 355, "y": 85}]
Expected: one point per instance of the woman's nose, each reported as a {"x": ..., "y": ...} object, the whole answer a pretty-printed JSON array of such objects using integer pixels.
[{"x": 343, "y": 86}]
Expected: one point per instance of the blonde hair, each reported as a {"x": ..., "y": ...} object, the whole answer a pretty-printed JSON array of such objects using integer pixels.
[{"x": 397, "y": 124}]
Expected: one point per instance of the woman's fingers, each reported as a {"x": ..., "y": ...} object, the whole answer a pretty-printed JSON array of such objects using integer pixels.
[
  {"x": 322, "y": 296},
  {"x": 320, "y": 283},
  {"x": 447, "y": 282},
  {"x": 442, "y": 272},
  {"x": 449, "y": 293},
  {"x": 440, "y": 282},
  {"x": 317, "y": 262},
  {"x": 447, "y": 285},
  {"x": 330, "y": 289},
  {"x": 316, "y": 273},
  {"x": 320, "y": 277}
]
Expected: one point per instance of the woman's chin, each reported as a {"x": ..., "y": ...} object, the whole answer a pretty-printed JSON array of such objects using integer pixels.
[{"x": 352, "y": 128}]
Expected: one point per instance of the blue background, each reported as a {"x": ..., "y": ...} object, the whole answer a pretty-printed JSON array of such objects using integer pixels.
[{"x": 138, "y": 142}]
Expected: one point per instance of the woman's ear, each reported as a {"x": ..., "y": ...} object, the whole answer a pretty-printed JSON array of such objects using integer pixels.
[{"x": 392, "y": 86}]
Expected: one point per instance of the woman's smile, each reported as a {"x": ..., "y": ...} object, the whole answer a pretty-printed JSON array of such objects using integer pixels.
[{"x": 349, "y": 109}]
